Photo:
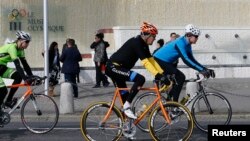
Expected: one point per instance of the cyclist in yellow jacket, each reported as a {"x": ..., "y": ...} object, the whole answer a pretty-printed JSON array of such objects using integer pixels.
[{"x": 14, "y": 52}]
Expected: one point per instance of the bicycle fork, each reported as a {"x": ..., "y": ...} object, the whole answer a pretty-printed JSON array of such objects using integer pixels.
[
  {"x": 207, "y": 103},
  {"x": 33, "y": 99}
]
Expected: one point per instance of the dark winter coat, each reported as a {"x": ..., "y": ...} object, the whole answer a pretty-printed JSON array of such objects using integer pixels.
[{"x": 70, "y": 58}]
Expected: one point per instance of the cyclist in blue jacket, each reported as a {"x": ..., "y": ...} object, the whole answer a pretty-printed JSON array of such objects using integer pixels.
[{"x": 181, "y": 48}]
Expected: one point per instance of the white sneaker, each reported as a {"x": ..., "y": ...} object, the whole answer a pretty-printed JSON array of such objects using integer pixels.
[{"x": 129, "y": 113}]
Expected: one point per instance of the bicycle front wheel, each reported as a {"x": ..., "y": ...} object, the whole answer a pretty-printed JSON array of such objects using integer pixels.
[
  {"x": 94, "y": 128},
  {"x": 180, "y": 128},
  {"x": 39, "y": 113},
  {"x": 220, "y": 115}
]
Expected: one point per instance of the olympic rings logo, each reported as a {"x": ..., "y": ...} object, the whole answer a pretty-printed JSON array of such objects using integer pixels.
[{"x": 15, "y": 14}]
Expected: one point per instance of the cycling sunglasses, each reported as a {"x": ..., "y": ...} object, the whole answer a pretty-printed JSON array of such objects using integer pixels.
[
  {"x": 154, "y": 36},
  {"x": 196, "y": 36}
]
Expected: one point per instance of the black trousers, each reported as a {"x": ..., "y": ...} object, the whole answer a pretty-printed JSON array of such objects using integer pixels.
[
  {"x": 3, "y": 90},
  {"x": 72, "y": 79},
  {"x": 179, "y": 76},
  {"x": 100, "y": 77}
]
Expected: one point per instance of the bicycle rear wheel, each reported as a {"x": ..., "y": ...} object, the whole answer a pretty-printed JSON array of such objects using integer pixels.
[
  {"x": 222, "y": 111},
  {"x": 39, "y": 113},
  {"x": 93, "y": 128},
  {"x": 143, "y": 99},
  {"x": 180, "y": 128}
]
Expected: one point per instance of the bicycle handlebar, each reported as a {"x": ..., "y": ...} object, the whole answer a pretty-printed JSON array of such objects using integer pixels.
[
  {"x": 162, "y": 86},
  {"x": 171, "y": 78},
  {"x": 199, "y": 78},
  {"x": 37, "y": 80}
]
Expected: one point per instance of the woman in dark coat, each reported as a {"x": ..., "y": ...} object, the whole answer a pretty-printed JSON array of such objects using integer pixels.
[{"x": 54, "y": 66}]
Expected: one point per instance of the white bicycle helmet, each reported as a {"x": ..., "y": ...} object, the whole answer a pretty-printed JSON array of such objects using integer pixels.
[
  {"x": 192, "y": 29},
  {"x": 23, "y": 35}
]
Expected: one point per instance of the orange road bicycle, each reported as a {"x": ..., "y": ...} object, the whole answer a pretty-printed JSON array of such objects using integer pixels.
[
  {"x": 207, "y": 108},
  {"x": 39, "y": 112},
  {"x": 167, "y": 120}
]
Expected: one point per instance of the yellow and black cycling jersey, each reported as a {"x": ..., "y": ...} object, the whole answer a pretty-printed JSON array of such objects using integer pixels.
[{"x": 133, "y": 50}]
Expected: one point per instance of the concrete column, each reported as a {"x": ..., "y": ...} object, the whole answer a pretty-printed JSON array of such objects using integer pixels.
[
  {"x": 61, "y": 78},
  {"x": 66, "y": 99}
]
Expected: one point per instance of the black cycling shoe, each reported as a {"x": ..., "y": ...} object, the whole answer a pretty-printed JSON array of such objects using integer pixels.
[
  {"x": 96, "y": 86},
  {"x": 11, "y": 104}
]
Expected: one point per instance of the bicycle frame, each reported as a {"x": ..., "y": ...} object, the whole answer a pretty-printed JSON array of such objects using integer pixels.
[
  {"x": 201, "y": 91},
  {"x": 157, "y": 99},
  {"x": 27, "y": 93},
  {"x": 47, "y": 113}
]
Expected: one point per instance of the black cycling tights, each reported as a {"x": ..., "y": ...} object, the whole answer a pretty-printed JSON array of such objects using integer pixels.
[
  {"x": 3, "y": 92},
  {"x": 139, "y": 80},
  {"x": 17, "y": 80}
]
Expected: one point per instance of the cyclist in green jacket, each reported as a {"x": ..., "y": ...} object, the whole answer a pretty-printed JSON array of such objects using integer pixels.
[{"x": 14, "y": 52}]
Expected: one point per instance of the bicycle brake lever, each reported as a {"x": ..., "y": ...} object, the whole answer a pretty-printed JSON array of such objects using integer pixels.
[{"x": 200, "y": 77}]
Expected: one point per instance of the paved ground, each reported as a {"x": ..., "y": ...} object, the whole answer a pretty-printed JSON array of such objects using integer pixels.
[{"x": 236, "y": 90}]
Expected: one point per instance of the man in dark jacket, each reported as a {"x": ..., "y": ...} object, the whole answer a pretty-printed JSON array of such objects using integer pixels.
[{"x": 70, "y": 58}]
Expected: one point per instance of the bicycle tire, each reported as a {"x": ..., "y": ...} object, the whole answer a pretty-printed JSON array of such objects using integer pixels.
[
  {"x": 92, "y": 118},
  {"x": 145, "y": 98},
  {"x": 221, "y": 107},
  {"x": 181, "y": 126},
  {"x": 43, "y": 120}
]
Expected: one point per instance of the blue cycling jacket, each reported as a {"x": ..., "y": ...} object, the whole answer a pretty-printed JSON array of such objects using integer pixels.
[{"x": 180, "y": 47}]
